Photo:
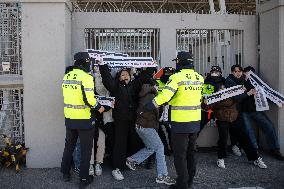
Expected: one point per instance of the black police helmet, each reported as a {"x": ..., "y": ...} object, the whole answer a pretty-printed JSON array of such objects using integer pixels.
[
  {"x": 216, "y": 69},
  {"x": 82, "y": 59},
  {"x": 184, "y": 59}
]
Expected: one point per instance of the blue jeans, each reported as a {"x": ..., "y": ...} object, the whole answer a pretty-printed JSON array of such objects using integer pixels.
[
  {"x": 77, "y": 155},
  {"x": 153, "y": 144},
  {"x": 264, "y": 123}
]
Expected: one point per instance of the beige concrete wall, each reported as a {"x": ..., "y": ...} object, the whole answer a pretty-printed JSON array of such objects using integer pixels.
[
  {"x": 168, "y": 23},
  {"x": 46, "y": 36},
  {"x": 272, "y": 58}
]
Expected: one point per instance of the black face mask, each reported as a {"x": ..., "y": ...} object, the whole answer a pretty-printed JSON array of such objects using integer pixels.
[{"x": 164, "y": 78}]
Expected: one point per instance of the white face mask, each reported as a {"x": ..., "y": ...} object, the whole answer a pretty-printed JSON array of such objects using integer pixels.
[{"x": 214, "y": 74}]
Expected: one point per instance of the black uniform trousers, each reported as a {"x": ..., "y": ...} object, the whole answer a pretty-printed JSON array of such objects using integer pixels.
[
  {"x": 184, "y": 160},
  {"x": 86, "y": 140},
  {"x": 162, "y": 135},
  {"x": 241, "y": 137},
  {"x": 126, "y": 142}
]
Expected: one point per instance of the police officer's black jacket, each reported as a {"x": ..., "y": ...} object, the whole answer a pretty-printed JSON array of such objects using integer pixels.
[{"x": 126, "y": 95}]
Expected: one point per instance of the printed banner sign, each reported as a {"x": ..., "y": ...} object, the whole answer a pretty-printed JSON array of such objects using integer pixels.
[
  {"x": 121, "y": 60},
  {"x": 224, "y": 94},
  {"x": 271, "y": 94},
  {"x": 106, "y": 101},
  {"x": 134, "y": 62},
  {"x": 260, "y": 100}
]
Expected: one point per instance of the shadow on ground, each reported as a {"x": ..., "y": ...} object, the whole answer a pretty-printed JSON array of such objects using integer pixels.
[{"x": 238, "y": 173}]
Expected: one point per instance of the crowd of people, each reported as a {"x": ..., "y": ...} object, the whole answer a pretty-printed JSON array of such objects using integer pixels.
[{"x": 152, "y": 118}]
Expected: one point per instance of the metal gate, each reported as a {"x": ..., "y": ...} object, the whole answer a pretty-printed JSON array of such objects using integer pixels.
[
  {"x": 10, "y": 40},
  {"x": 143, "y": 42},
  {"x": 11, "y": 98},
  {"x": 212, "y": 47},
  {"x": 11, "y": 114}
]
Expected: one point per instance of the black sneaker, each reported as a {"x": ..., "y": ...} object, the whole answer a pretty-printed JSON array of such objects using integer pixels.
[
  {"x": 85, "y": 182},
  {"x": 277, "y": 154},
  {"x": 66, "y": 177}
]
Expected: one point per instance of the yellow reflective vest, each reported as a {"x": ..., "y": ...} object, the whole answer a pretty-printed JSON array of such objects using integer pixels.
[
  {"x": 183, "y": 92},
  {"x": 78, "y": 93}
]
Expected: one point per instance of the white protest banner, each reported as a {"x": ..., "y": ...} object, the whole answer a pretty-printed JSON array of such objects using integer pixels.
[
  {"x": 116, "y": 60},
  {"x": 224, "y": 94},
  {"x": 133, "y": 62},
  {"x": 271, "y": 94},
  {"x": 106, "y": 101},
  {"x": 261, "y": 103}
]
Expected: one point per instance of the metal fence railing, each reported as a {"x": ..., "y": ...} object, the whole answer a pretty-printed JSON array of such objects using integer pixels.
[
  {"x": 11, "y": 114},
  {"x": 143, "y": 42},
  {"x": 10, "y": 39},
  {"x": 212, "y": 47}
]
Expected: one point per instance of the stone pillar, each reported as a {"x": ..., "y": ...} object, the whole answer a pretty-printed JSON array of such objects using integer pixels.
[
  {"x": 272, "y": 57},
  {"x": 46, "y": 46}
]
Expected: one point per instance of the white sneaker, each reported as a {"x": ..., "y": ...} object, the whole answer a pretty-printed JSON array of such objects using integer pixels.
[
  {"x": 236, "y": 150},
  {"x": 117, "y": 174},
  {"x": 91, "y": 170},
  {"x": 260, "y": 163},
  {"x": 221, "y": 163},
  {"x": 98, "y": 169}
]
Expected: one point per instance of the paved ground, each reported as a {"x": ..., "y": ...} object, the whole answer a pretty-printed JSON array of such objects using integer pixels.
[{"x": 238, "y": 173}]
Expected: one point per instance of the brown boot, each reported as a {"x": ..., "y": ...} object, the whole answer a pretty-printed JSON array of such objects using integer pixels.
[{"x": 277, "y": 154}]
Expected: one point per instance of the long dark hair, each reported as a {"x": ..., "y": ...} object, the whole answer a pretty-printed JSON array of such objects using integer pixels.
[{"x": 118, "y": 74}]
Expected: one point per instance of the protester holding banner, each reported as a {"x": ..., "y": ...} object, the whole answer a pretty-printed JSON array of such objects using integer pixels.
[
  {"x": 250, "y": 114},
  {"x": 102, "y": 128},
  {"x": 125, "y": 92},
  {"x": 237, "y": 78},
  {"x": 211, "y": 84},
  {"x": 147, "y": 125},
  {"x": 227, "y": 117}
]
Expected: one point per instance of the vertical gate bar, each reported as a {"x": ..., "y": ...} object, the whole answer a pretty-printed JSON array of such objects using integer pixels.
[
  {"x": 142, "y": 44},
  {"x": 238, "y": 47},
  {"x": 21, "y": 120},
  {"x": 242, "y": 47},
  {"x": 183, "y": 40},
  {"x": 18, "y": 41},
  {"x": 199, "y": 49},
  {"x": 210, "y": 46},
  {"x": 99, "y": 39},
  {"x": 206, "y": 53},
  {"x": 203, "y": 52},
  {"x": 94, "y": 39},
  {"x": 150, "y": 45},
  {"x": 177, "y": 31}
]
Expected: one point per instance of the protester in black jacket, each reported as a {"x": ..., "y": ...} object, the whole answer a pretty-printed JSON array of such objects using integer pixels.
[
  {"x": 237, "y": 78},
  {"x": 125, "y": 91}
]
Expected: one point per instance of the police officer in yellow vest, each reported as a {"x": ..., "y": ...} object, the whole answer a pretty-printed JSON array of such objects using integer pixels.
[
  {"x": 183, "y": 94},
  {"x": 79, "y": 99}
]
